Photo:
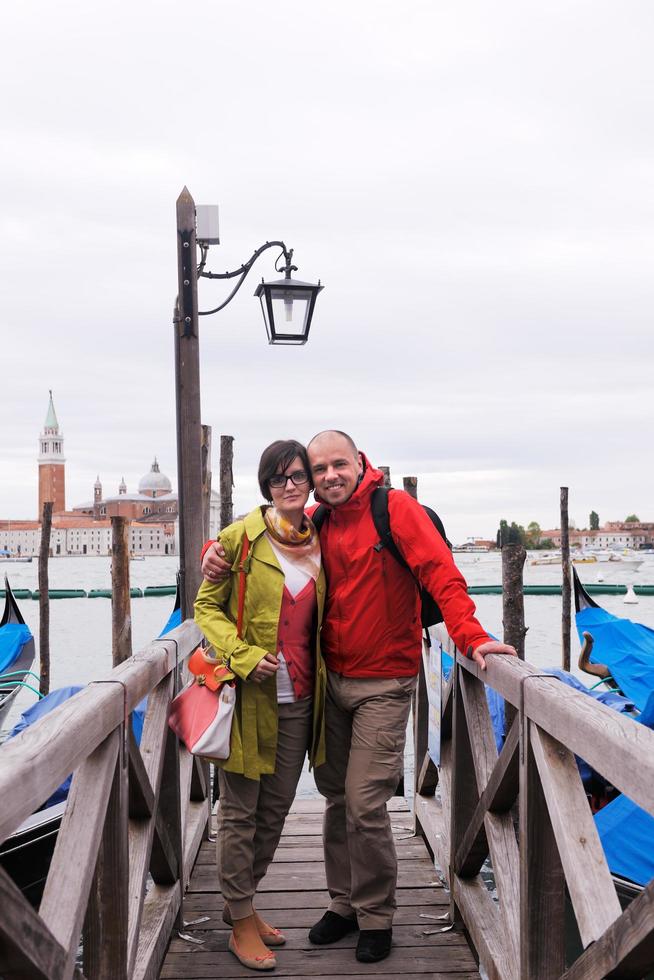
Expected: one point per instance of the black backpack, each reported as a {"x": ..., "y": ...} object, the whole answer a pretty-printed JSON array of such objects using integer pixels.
[{"x": 430, "y": 611}]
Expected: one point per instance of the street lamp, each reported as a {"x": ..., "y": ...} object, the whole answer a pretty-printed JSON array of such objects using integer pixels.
[{"x": 287, "y": 305}]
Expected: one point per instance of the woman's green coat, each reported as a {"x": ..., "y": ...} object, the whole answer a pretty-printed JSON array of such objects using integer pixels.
[{"x": 254, "y": 728}]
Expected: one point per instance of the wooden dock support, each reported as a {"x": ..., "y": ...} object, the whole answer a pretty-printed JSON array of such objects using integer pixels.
[
  {"x": 566, "y": 592},
  {"x": 121, "y": 603},
  {"x": 513, "y": 601},
  {"x": 44, "y": 599},
  {"x": 411, "y": 486},
  {"x": 226, "y": 480}
]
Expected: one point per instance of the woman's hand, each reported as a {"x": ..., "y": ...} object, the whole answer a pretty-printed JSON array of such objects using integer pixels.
[
  {"x": 266, "y": 667},
  {"x": 214, "y": 566}
]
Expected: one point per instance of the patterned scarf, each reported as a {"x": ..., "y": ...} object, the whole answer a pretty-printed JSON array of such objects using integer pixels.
[{"x": 302, "y": 548}]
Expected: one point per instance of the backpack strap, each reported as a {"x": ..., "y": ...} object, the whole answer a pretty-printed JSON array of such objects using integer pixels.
[
  {"x": 320, "y": 514},
  {"x": 382, "y": 522}
]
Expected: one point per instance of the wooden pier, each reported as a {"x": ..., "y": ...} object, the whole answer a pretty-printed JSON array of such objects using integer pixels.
[
  {"x": 293, "y": 895},
  {"x": 134, "y": 866}
]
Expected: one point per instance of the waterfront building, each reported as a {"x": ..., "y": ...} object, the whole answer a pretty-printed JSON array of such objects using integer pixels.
[
  {"x": 52, "y": 463},
  {"x": 152, "y": 512}
]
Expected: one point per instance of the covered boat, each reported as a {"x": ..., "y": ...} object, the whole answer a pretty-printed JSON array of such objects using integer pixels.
[
  {"x": 622, "y": 653},
  {"x": 16, "y": 651}
]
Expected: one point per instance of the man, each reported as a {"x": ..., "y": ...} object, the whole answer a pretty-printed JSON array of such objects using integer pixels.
[{"x": 371, "y": 643}]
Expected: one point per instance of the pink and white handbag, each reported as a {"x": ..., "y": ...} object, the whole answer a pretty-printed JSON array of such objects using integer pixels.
[{"x": 201, "y": 715}]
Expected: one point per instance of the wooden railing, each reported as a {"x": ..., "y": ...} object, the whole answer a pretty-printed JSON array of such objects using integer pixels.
[
  {"x": 526, "y": 809},
  {"x": 133, "y": 823}
]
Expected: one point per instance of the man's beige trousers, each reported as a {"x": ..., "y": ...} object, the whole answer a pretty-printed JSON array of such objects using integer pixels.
[{"x": 366, "y": 723}]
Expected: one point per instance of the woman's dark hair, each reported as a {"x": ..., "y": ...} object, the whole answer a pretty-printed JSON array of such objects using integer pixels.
[{"x": 277, "y": 456}]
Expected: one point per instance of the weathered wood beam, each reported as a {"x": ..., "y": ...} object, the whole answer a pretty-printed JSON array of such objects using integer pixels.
[
  {"x": 498, "y": 797},
  {"x": 427, "y": 778},
  {"x": 164, "y": 864},
  {"x": 160, "y": 911},
  {"x": 106, "y": 925},
  {"x": 626, "y": 950},
  {"x": 482, "y": 920},
  {"x": 141, "y": 794},
  {"x": 587, "y": 875},
  {"x": 27, "y": 947},
  {"x": 38, "y": 760},
  {"x": 74, "y": 859},
  {"x": 499, "y": 830},
  {"x": 542, "y": 884},
  {"x": 621, "y": 751}
]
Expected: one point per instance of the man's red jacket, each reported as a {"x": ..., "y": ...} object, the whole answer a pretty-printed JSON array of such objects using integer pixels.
[{"x": 371, "y": 626}]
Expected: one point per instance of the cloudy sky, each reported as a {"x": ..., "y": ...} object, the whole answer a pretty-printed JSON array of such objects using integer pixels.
[{"x": 472, "y": 182}]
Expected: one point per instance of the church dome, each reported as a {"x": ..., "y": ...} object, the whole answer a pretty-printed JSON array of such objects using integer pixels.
[{"x": 155, "y": 482}]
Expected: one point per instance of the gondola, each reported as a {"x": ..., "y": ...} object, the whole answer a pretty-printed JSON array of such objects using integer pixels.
[
  {"x": 26, "y": 854},
  {"x": 621, "y": 653},
  {"x": 16, "y": 651}
]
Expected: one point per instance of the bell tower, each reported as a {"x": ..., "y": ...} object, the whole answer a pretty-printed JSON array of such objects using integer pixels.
[{"x": 52, "y": 464}]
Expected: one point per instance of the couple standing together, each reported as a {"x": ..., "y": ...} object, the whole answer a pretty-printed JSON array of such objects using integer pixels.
[{"x": 327, "y": 662}]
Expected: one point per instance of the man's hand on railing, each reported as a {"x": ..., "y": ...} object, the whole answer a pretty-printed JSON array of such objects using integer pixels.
[
  {"x": 491, "y": 646},
  {"x": 214, "y": 566}
]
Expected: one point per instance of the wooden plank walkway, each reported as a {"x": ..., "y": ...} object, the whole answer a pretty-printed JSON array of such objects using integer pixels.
[{"x": 294, "y": 894}]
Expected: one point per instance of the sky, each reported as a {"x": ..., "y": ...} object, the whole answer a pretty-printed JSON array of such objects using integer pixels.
[{"x": 471, "y": 182}]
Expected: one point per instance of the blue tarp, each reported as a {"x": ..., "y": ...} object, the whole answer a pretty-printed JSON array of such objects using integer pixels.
[
  {"x": 13, "y": 637},
  {"x": 625, "y": 647},
  {"x": 627, "y": 836}
]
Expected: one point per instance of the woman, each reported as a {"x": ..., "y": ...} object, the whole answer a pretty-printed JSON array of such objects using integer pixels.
[{"x": 280, "y": 685}]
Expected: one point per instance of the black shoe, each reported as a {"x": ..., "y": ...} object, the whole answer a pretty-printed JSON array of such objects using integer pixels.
[
  {"x": 374, "y": 945},
  {"x": 331, "y": 927}
]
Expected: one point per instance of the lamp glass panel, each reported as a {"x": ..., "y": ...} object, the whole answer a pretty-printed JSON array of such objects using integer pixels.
[{"x": 290, "y": 310}]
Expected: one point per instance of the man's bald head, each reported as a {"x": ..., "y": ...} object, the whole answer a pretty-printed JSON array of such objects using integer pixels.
[
  {"x": 328, "y": 433},
  {"x": 336, "y": 465}
]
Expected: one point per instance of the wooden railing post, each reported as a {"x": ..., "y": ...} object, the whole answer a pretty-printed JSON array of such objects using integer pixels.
[
  {"x": 463, "y": 787},
  {"x": 106, "y": 923},
  {"x": 542, "y": 884}
]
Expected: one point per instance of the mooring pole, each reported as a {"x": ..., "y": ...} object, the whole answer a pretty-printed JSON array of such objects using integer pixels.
[
  {"x": 513, "y": 600},
  {"x": 566, "y": 589},
  {"x": 121, "y": 606},
  {"x": 206, "y": 481},
  {"x": 187, "y": 389},
  {"x": 386, "y": 470},
  {"x": 411, "y": 486},
  {"x": 44, "y": 599},
  {"x": 226, "y": 480},
  {"x": 513, "y": 609}
]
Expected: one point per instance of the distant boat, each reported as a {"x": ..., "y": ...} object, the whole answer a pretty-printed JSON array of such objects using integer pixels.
[
  {"x": 581, "y": 558},
  {"x": 16, "y": 651},
  {"x": 5, "y": 559}
]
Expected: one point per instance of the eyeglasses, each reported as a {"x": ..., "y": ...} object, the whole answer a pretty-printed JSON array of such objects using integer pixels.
[{"x": 298, "y": 477}]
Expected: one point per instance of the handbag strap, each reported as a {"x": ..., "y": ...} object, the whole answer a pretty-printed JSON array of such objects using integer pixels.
[{"x": 241, "y": 586}]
